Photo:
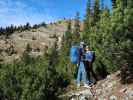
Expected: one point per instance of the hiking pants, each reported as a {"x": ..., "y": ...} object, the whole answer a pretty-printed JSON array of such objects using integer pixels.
[
  {"x": 89, "y": 69},
  {"x": 81, "y": 74}
]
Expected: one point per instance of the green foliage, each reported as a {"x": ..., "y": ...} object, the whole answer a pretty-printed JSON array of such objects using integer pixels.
[
  {"x": 114, "y": 3},
  {"x": 43, "y": 78},
  {"x": 96, "y": 11},
  {"x": 87, "y": 17},
  {"x": 111, "y": 36},
  {"x": 28, "y": 48},
  {"x": 32, "y": 78},
  {"x": 77, "y": 24},
  {"x": 22, "y": 81},
  {"x": 12, "y": 28},
  {"x": 67, "y": 69}
]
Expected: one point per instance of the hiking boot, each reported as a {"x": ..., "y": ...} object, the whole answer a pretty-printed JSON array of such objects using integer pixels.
[
  {"x": 86, "y": 86},
  {"x": 78, "y": 85}
]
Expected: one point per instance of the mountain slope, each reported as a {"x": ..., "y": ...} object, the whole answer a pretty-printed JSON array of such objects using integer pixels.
[{"x": 38, "y": 39}]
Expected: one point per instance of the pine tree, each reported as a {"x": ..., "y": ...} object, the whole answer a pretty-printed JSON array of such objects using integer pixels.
[
  {"x": 124, "y": 3},
  {"x": 27, "y": 26},
  {"x": 28, "y": 48},
  {"x": 11, "y": 29},
  {"x": 117, "y": 21},
  {"x": 130, "y": 3},
  {"x": 77, "y": 25},
  {"x": 68, "y": 33},
  {"x": 69, "y": 26},
  {"x": 87, "y": 17},
  {"x": 114, "y": 3},
  {"x": 96, "y": 11},
  {"x": 128, "y": 19}
]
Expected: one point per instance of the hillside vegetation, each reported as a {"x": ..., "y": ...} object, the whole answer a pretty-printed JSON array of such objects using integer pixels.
[
  {"x": 39, "y": 38},
  {"x": 45, "y": 77}
]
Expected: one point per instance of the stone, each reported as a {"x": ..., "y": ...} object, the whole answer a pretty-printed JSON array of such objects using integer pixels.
[
  {"x": 110, "y": 85},
  {"x": 123, "y": 90},
  {"x": 80, "y": 95},
  {"x": 98, "y": 91},
  {"x": 103, "y": 85},
  {"x": 113, "y": 97},
  {"x": 101, "y": 98},
  {"x": 126, "y": 98},
  {"x": 130, "y": 94},
  {"x": 109, "y": 76}
]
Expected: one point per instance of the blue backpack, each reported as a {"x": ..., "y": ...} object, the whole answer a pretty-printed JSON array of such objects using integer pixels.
[{"x": 74, "y": 54}]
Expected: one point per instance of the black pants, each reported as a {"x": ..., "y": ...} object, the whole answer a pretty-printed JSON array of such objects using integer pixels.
[{"x": 89, "y": 69}]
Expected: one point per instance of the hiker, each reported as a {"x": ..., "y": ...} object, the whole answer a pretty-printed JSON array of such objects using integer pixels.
[
  {"x": 81, "y": 75},
  {"x": 89, "y": 55}
]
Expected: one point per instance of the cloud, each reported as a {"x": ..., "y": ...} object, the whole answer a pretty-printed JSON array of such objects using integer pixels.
[{"x": 19, "y": 12}]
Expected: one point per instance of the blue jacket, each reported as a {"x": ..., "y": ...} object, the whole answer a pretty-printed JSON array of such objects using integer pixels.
[{"x": 89, "y": 56}]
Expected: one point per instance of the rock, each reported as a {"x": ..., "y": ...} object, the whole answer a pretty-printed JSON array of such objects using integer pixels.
[
  {"x": 118, "y": 73},
  {"x": 109, "y": 76},
  {"x": 126, "y": 98},
  {"x": 123, "y": 90},
  {"x": 82, "y": 97},
  {"x": 72, "y": 99},
  {"x": 101, "y": 98},
  {"x": 113, "y": 97},
  {"x": 79, "y": 95},
  {"x": 98, "y": 91},
  {"x": 130, "y": 94},
  {"x": 103, "y": 85},
  {"x": 110, "y": 85}
]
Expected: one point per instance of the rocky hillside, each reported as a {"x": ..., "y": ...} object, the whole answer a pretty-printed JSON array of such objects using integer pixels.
[
  {"x": 38, "y": 40},
  {"x": 106, "y": 89}
]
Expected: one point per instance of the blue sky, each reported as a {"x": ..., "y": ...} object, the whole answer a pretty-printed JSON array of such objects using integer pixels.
[{"x": 35, "y": 11}]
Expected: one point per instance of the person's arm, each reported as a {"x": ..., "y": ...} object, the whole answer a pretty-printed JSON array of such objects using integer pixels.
[{"x": 79, "y": 56}]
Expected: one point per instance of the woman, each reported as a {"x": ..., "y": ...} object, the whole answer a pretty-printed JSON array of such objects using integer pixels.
[{"x": 88, "y": 63}]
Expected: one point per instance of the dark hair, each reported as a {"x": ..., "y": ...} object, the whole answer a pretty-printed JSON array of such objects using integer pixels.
[{"x": 84, "y": 45}]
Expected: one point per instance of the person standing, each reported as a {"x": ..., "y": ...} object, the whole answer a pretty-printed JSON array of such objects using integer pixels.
[
  {"x": 81, "y": 75},
  {"x": 88, "y": 63}
]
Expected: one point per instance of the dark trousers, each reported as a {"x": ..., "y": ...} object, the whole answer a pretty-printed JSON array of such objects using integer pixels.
[{"x": 89, "y": 69}]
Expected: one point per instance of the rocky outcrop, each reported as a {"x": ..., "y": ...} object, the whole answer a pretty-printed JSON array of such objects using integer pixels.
[
  {"x": 81, "y": 94},
  {"x": 107, "y": 89}
]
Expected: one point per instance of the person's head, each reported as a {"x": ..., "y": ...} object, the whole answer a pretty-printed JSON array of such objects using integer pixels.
[
  {"x": 87, "y": 48},
  {"x": 82, "y": 44}
]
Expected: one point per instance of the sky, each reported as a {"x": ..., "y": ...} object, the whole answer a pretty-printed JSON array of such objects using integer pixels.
[{"x": 18, "y": 12}]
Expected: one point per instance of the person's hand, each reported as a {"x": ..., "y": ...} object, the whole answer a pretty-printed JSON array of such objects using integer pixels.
[{"x": 77, "y": 65}]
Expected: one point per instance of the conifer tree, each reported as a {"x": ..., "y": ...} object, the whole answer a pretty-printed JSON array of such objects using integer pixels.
[
  {"x": 77, "y": 25},
  {"x": 27, "y": 26},
  {"x": 130, "y": 3},
  {"x": 114, "y": 3},
  {"x": 87, "y": 17},
  {"x": 96, "y": 11},
  {"x": 124, "y": 3},
  {"x": 68, "y": 34}
]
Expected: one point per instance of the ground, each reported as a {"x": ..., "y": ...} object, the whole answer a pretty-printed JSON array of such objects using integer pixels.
[{"x": 109, "y": 88}]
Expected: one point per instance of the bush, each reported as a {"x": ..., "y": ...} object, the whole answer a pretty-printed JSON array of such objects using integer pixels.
[{"x": 31, "y": 79}]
